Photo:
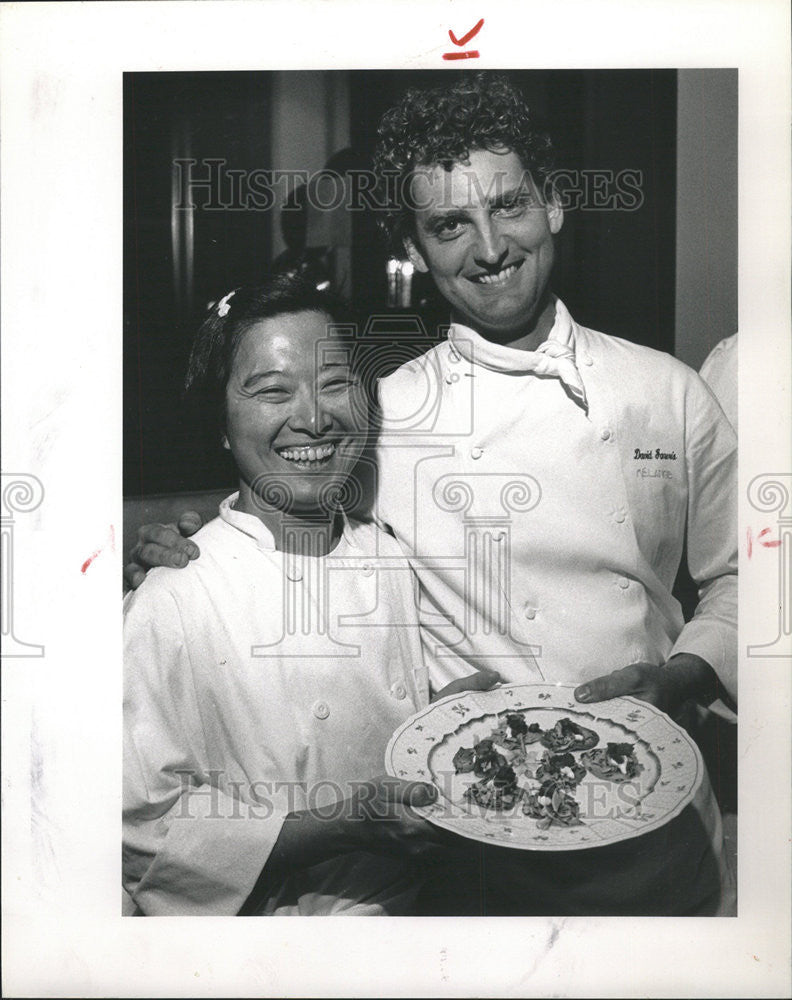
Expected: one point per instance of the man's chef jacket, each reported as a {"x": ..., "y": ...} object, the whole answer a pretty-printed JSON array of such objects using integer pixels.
[{"x": 547, "y": 533}]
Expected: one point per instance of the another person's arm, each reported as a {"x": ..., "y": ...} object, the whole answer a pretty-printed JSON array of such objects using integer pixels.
[
  {"x": 377, "y": 819},
  {"x": 162, "y": 545}
]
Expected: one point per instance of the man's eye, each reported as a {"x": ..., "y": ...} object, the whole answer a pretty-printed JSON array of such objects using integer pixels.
[{"x": 514, "y": 208}]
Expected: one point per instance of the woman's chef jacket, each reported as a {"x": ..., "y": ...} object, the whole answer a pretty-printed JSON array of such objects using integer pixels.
[{"x": 257, "y": 683}]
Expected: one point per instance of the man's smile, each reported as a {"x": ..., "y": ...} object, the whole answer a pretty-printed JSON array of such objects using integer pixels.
[{"x": 500, "y": 277}]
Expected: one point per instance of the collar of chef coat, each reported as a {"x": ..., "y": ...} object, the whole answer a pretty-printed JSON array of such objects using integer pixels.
[
  {"x": 555, "y": 356},
  {"x": 475, "y": 349},
  {"x": 253, "y": 526}
]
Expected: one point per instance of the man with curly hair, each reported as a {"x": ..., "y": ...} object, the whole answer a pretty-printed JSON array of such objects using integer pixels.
[
  {"x": 542, "y": 477},
  {"x": 448, "y": 149}
]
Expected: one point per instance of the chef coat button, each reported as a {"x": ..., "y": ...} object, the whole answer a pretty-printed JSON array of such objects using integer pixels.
[
  {"x": 399, "y": 691},
  {"x": 624, "y": 583},
  {"x": 368, "y": 569},
  {"x": 321, "y": 709},
  {"x": 530, "y": 613},
  {"x": 587, "y": 360},
  {"x": 619, "y": 517},
  {"x": 294, "y": 573},
  {"x": 476, "y": 452},
  {"x": 605, "y": 434},
  {"x": 453, "y": 377}
]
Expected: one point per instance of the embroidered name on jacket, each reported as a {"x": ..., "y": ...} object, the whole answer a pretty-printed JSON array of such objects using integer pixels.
[{"x": 642, "y": 456}]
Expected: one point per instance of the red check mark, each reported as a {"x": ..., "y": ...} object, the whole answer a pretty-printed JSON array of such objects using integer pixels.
[{"x": 465, "y": 38}]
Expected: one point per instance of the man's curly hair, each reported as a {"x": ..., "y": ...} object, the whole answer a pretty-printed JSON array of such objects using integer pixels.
[{"x": 442, "y": 125}]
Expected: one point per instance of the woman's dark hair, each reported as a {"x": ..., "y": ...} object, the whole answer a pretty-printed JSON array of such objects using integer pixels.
[
  {"x": 442, "y": 125},
  {"x": 216, "y": 341}
]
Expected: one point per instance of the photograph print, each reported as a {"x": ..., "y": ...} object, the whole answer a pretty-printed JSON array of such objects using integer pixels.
[{"x": 430, "y": 493}]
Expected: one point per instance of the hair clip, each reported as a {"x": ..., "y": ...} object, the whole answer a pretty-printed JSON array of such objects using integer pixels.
[{"x": 223, "y": 306}]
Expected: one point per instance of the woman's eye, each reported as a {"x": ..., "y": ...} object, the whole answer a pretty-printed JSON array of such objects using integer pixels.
[
  {"x": 272, "y": 393},
  {"x": 336, "y": 384}
]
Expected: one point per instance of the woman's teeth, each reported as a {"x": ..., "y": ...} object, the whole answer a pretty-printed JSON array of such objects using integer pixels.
[
  {"x": 312, "y": 454},
  {"x": 499, "y": 278}
]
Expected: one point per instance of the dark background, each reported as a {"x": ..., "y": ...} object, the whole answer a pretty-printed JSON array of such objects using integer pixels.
[{"x": 615, "y": 269}]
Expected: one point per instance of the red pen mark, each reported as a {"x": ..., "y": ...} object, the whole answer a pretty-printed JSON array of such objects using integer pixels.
[
  {"x": 768, "y": 545},
  {"x": 459, "y": 42},
  {"x": 465, "y": 38},
  {"x": 89, "y": 560},
  {"x": 93, "y": 555},
  {"x": 773, "y": 544}
]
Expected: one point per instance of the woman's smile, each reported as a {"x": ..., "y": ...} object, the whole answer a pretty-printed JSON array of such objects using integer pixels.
[{"x": 309, "y": 456}]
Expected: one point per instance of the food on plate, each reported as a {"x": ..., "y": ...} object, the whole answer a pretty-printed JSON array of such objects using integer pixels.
[
  {"x": 483, "y": 759},
  {"x": 487, "y": 759},
  {"x": 464, "y": 760},
  {"x": 552, "y": 803},
  {"x": 501, "y": 792},
  {"x": 568, "y": 735},
  {"x": 507, "y": 774},
  {"x": 515, "y": 731},
  {"x": 615, "y": 762},
  {"x": 562, "y": 768}
]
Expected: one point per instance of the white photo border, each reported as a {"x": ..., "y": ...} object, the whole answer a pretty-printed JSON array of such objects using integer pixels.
[{"x": 61, "y": 172}]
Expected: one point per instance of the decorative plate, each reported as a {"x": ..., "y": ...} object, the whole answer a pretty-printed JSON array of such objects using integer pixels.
[{"x": 671, "y": 768}]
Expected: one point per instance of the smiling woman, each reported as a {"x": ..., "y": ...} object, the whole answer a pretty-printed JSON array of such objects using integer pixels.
[
  {"x": 263, "y": 681},
  {"x": 290, "y": 406}
]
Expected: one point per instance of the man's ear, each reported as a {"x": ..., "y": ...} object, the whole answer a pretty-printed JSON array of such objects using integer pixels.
[
  {"x": 224, "y": 443},
  {"x": 555, "y": 216},
  {"x": 415, "y": 255}
]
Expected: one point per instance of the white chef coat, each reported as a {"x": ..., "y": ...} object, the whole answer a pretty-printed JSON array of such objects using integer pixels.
[
  {"x": 547, "y": 536},
  {"x": 719, "y": 371},
  {"x": 252, "y": 667}
]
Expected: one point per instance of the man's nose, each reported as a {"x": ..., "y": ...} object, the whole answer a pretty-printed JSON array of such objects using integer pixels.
[
  {"x": 489, "y": 251},
  {"x": 309, "y": 415}
]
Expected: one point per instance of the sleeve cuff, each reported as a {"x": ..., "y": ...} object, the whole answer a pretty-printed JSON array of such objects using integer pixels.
[
  {"x": 702, "y": 640},
  {"x": 210, "y": 860}
]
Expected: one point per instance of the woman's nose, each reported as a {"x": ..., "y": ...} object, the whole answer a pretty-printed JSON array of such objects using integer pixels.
[{"x": 309, "y": 415}]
